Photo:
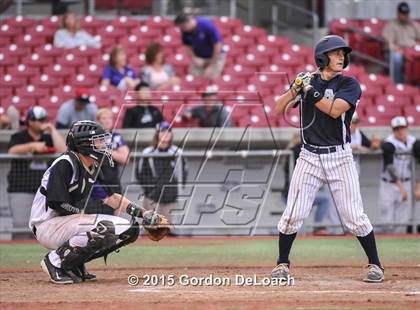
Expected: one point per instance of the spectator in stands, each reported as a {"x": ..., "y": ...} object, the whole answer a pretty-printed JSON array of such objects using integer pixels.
[
  {"x": 4, "y": 120},
  {"x": 108, "y": 180},
  {"x": 77, "y": 109},
  {"x": 156, "y": 73},
  {"x": 143, "y": 115},
  {"x": 205, "y": 43},
  {"x": 70, "y": 35},
  {"x": 40, "y": 137},
  {"x": 360, "y": 142},
  {"x": 117, "y": 72},
  {"x": 160, "y": 177},
  {"x": 400, "y": 34},
  {"x": 211, "y": 113}
]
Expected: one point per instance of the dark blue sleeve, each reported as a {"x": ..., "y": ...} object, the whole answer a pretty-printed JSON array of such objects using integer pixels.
[
  {"x": 106, "y": 75},
  {"x": 186, "y": 39},
  {"x": 214, "y": 34},
  {"x": 349, "y": 91}
]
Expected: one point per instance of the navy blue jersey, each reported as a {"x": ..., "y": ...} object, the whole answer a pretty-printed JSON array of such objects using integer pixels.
[{"x": 325, "y": 130}]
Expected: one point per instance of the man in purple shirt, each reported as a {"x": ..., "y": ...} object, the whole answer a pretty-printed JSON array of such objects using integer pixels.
[{"x": 205, "y": 43}]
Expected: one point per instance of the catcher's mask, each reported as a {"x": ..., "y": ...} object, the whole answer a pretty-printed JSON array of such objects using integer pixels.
[{"x": 90, "y": 138}]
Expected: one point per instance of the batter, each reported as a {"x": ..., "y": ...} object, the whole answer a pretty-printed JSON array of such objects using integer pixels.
[{"x": 328, "y": 101}]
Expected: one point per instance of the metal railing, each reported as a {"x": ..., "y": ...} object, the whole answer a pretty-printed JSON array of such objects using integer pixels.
[{"x": 219, "y": 163}]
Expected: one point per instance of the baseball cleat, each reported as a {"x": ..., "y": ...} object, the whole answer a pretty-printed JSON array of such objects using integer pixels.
[
  {"x": 281, "y": 271},
  {"x": 82, "y": 273},
  {"x": 375, "y": 274},
  {"x": 57, "y": 275}
]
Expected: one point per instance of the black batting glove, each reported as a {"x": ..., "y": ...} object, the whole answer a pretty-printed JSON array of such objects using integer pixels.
[{"x": 135, "y": 210}]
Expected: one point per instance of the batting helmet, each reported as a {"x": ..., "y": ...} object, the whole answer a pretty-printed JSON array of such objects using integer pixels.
[
  {"x": 90, "y": 139},
  {"x": 327, "y": 44}
]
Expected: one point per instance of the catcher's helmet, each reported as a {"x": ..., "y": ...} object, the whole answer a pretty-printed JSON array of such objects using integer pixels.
[
  {"x": 327, "y": 44},
  {"x": 90, "y": 139}
]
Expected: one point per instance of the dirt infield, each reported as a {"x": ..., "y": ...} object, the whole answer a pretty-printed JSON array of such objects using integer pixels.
[{"x": 315, "y": 287}]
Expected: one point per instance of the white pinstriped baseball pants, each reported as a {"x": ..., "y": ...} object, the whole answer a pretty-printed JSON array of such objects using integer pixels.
[{"x": 309, "y": 176}]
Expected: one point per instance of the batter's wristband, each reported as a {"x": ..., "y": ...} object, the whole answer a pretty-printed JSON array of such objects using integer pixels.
[{"x": 134, "y": 210}]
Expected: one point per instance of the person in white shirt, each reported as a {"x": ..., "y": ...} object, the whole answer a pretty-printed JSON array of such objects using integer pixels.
[{"x": 70, "y": 35}]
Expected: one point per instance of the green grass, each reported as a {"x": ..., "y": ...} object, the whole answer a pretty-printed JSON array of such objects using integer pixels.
[{"x": 239, "y": 252}]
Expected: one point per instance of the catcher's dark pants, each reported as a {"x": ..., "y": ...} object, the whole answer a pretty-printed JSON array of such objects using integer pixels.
[{"x": 73, "y": 228}]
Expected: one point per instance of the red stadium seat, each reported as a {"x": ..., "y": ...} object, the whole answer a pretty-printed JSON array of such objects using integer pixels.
[
  {"x": 240, "y": 71},
  {"x": 52, "y": 102},
  {"x": 85, "y": 51},
  {"x": 81, "y": 80},
  {"x": 64, "y": 92},
  {"x": 137, "y": 62},
  {"x": 228, "y": 83},
  {"x": 401, "y": 90},
  {"x": 306, "y": 68},
  {"x": 126, "y": 23},
  {"x": 31, "y": 91},
  {"x": 180, "y": 62},
  {"x": 306, "y": 54},
  {"x": 45, "y": 81},
  {"x": 11, "y": 81},
  {"x": 22, "y": 71},
  {"x": 412, "y": 64},
  {"x": 53, "y": 22},
  {"x": 6, "y": 59},
  {"x": 5, "y": 91},
  {"x": 5, "y": 41},
  {"x": 28, "y": 41},
  {"x": 378, "y": 80},
  {"x": 265, "y": 81},
  {"x": 101, "y": 60},
  {"x": 251, "y": 60},
  {"x": 387, "y": 111},
  {"x": 21, "y": 22},
  {"x": 262, "y": 50},
  {"x": 227, "y": 22},
  {"x": 92, "y": 71},
  {"x": 59, "y": 71},
  {"x": 399, "y": 101},
  {"x": 254, "y": 88},
  {"x": 371, "y": 90},
  {"x": 49, "y": 50},
  {"x": 35, "y": 60},
  {"x": 232, "y": 51},
  {"x": 263, "y": 117},
  {"x": 190, "y": 82},
  {"x": 146, "y": 33},
  {"x": 250, "y": 32},
  {"x": 19, "y": 102},
  {"x": 70, "y": 60},
  {"x": 110, "y": 32},
  {"x": 158, "y": 22},
  {"x": 106, "y": 92},
  {"x": 91, "y": 24},
  {"x": 412, "y": 113},
  {"x": 169, "y": 41},
  {"x": 376, "y": 120},
  {"x": 9, "y": 31},
  {"x": 354, "y": 71},
  {"x": 276, "y": 42},
  {"x": 106, "y": 42},
  {"x": 288, "y": 63},
  {"x": 134, "y": 41},
  {"x": 39, "y": 31},
  {"x": 238, "y": 41},
  {"x": 342, "y": 25}
]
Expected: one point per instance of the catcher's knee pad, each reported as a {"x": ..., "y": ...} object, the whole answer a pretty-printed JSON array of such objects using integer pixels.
[
  {"x": 100, "y": 238},
  {"x": 126, "y": 237}
]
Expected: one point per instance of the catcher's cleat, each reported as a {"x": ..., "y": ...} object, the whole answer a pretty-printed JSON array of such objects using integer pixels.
[
  {"x": 82, "y": 273},
  {"x": 281, "y": 271},
  {"x": 375, "y": 274},
  {"x": 57, "y": 275}
]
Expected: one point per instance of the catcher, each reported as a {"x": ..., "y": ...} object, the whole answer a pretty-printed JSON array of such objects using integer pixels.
[{"x": 57, "y": 219}]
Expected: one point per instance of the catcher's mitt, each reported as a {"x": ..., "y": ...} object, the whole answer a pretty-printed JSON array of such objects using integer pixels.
[{"x": 156, "y": 226}]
